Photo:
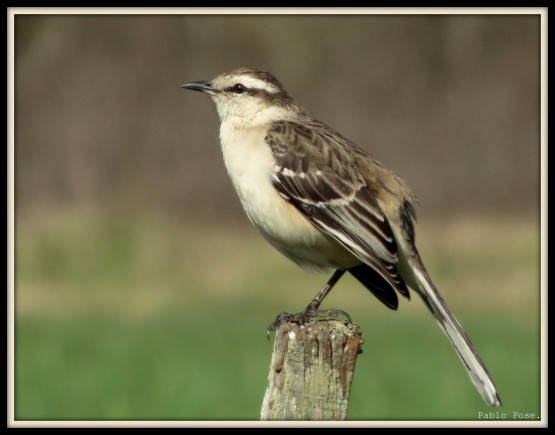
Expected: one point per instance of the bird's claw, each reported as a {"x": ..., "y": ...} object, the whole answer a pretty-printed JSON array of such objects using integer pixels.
[{"x": 304, "y": 317}]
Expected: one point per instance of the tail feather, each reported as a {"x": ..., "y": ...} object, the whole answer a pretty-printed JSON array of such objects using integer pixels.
[{"x": 451, "y": 327}]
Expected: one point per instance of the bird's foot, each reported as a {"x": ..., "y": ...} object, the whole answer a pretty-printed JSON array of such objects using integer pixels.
[{"x": 304, "y": 317}]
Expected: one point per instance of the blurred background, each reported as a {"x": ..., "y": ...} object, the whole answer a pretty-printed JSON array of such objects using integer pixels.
[{"x": 142, "y": 292}]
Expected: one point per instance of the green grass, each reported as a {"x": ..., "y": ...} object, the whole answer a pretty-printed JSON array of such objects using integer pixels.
[
  {"x": 180, "y": 366},
  {"x": 170, "y": 367},
  {"x": 146, "y": 320}
]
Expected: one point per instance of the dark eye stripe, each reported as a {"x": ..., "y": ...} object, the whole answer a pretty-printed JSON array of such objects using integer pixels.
[
  {"x": 242, "y": 89},
  {"x": 237, "y": 88}
]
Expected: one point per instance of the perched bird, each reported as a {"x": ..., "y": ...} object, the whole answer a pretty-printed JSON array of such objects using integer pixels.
[{"x": 325, "y": 203}]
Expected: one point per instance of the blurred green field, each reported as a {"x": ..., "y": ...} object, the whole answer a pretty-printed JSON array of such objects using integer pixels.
[{"x": 146, "y": 318}]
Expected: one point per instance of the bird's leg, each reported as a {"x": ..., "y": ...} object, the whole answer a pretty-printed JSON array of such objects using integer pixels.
[
  {"x": 312, "y": 308},
  {"x": 315, "y": 304}
]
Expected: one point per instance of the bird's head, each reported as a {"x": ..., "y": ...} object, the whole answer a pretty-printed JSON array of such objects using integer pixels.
[{"x": 246, "y": 97}]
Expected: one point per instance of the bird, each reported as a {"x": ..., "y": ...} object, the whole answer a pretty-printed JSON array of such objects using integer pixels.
[{"x": 325, "y": 203}]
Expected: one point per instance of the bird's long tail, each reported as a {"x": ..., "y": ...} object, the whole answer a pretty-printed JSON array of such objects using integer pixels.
[{"x": 449, "y": 324}]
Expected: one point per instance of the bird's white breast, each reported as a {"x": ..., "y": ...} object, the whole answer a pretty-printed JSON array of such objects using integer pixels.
[{"x": 250, "y": 165}]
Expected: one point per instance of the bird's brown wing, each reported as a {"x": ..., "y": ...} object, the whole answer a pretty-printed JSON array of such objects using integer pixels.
[{"x": 315, "y": 173}]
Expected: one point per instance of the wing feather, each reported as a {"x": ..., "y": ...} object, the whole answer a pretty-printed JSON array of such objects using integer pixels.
[{"x": 320, "y": 179}]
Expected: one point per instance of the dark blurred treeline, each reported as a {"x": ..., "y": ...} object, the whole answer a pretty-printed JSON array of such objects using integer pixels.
[{"x": 451, "y": 103}]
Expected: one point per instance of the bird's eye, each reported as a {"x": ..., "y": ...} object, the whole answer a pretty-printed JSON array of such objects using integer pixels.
[{"x": 239, "y": 88}]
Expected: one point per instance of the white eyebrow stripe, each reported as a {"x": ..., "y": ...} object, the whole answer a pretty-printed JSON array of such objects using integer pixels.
[{"x": 252, "y": 82}]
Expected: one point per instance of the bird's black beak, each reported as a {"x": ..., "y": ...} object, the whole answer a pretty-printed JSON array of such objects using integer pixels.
[{"x": 201, "y": 87}]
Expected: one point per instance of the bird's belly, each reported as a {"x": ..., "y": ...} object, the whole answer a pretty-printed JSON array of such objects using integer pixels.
[
  {"x": 293, "y": 235},
  {"x": 278, "y": 221}
]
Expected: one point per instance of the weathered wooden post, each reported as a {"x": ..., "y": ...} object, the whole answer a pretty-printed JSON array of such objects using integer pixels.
[{"x": 311, "y": 371}]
